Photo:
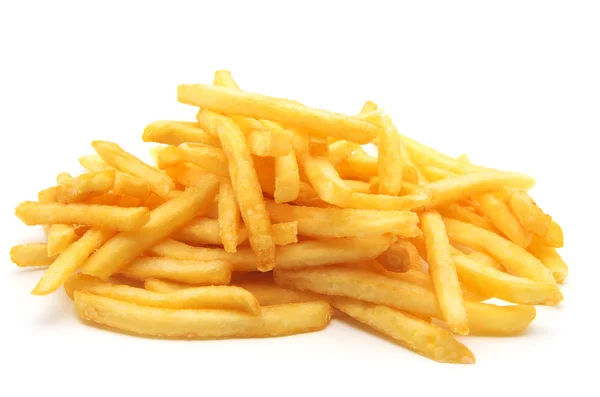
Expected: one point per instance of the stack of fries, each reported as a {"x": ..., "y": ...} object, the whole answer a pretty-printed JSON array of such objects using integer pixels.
[{"x": 264, "y": 214}]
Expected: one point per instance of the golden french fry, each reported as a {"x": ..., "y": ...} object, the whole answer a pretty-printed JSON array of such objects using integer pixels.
[
  {"x": 410, "y": 174},
  {"x": 389, "y": 160},
  {"x": 129, "y": 201},
  {"x": 401, "y": 257},
  {"x": 389, "y": 203},
  {"x": 229, "y": 217},
  {"x": 86, "y": 186},
  {"x": 157, "y": 285},
  {"x": 456, "y": 188},
  {"x": 276, "y": 320},
  {"x": 484, "y": 319},
  {"x": 211, "y": 297},
  {"x": 504, "y": 219},
  {"x": 326, "y": 181},
  {"x": 287, "y": 178},
  {"x": 164, "y": 221},
  {"x": 209, "y": 158},
  {"x": 268, "y": 293},
  {"x": 169, "y": 156},
  {"x": 418, "y": 335},
  {"x": 359, "y": 165},
  {"x": 433, "y": 174},
  {"x": 341, "y": 150},
  {"x": 63, "y": 178},
  {"x": 554, "y": 238},
  {"x": 59, "y": 238},
  {"x": 193, "y": 272},
  {"x": 318, "y": 147},
  {"x": 271, "y": 143},
  {"x": 159, "y": 182},
  {"x": 443, "y": 272},
  {"x": 486, "y": 260},
  {"x": 104, "y": 216},
  {"x": 530, "y": 216},
  {"x": 35, "y": 254},
  {"x": 186, "y": 174},
  {"x": 505, "y": 286},
  {"x": 358, "y": 186},
  {"x": 152, "y": 201},
  {"x": 225, "y": 79},
  {"x": 124, "y": 184},
  {"x": 338, "y": 222},
  {"x": 47, "y": 195},
  {"x": 71, "y": 259},
  {"x": 177, "y": 132},
  {"x": 515, "y": 258},
  {"x": 550, "y": 258},
  {"x": 317, "y": 122},
  {"x": 460, "y": 213}
]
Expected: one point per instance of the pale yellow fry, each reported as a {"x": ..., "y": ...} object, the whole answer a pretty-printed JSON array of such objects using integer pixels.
[
  {"x": 554, "y": 238},
  {"x": 169, "y": 156},
  {"x": 462, "y": 186},
  {"x": 177, "y": 132},
  {"x": 209, "y": 158},
  {"x": 302, "y": 254},
  {"x": 63, "y": 178},
  {"x": 460, "y": 213},
  {"x": 164, "y": 221},
  {"x": 443, "y": 272},
  {"x": 287, "y": 178},
  {"x": 157, "y": 285},
  {"x": 35, "y": 254},
  {"x": 124, "y": 184},
  {"x": 515, "y": 258},
  {"x": 358, "y": 186},
  {"x": 341, "y": 150},
  {"x": 505, "y": 286},
  {"x": 389, "y": 160},
  {"x": 550, "y": 258},
  {"x": 383, "y": 202},
  {"x": 318, "y": 147},
  {"x": 225, "y": 79},
  {"x": 530, "y": 216},
  {"x": 71, "y": 259},
  {"x": 338, "y": 222},
  {"x": 268, "y": 293},
  {"x": 317, "y": 122},
  {"x": 47, "y": 195},
  {"x": 277, "y": 320},
  {"x": 504, "y": 219},
  {"x": 59, "y": 238},
  {"x": 159, "y": 182},
  {"x": 486, "y": 260},
  {"x": 85, "y": 186},
  {"x": 103, "y": 216},
  {"x": 186, "y": 174},
  {"x": 246, "y": 186},
  {"x": 359, "y": 165},
  {"x": 211, "y": 297},
  {"x": 433, "y": 173},
  {"x": 271, "y": 143},
  {"x": 418, "y": 335},
  {"x": 401, "y": 257},
  {"x": 216, "y": 272},
  {"x": 325, "y": 180},
  {"x": 94, "y": 163},
  {"x": 484, "y": 319},
  {"x": 229, "y": 217}
]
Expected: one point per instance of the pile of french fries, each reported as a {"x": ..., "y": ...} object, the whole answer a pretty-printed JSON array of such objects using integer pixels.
[{"x": 263, "y": 215}]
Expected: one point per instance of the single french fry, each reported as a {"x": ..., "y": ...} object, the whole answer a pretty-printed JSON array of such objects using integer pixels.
[
  {"x": 389, "y": 160},
  {"x": 209, "y": 158},
  {"x": 247, "y": 188},
  {"x": 103, "y": 216},
  {"x": 505, "y": 286},
  {"x": 159, "y": 182},
  {"x": 410, "y": 174},
  {"x": 186, "y": 174},
  {"x": 317, "y": 122},
  {"x": 338, "y": 222},
  {"x": 177, "y": 132},
  {"x": 554, "y": 238},
  {"x": 152, "y": 201},
  {"x": 210, "y": 297},
  {"x": 434, "y": 174},
  {"x": 460, "y": 213},
  {"x": 225, "y": 79},
  {"x": 550, "y": 258},
  {"x": 325, "y": 180},
  {"x": 164, "y": 221},
  {"x": 530, "y": 216},
  {"x": 71, "y": 259},
  {"x": 157, "y": 285},
  {"x": 383, "y": 202},
  {"x": 35, "y": 254},
  {"x": 193, "y": 272},
  {"x": 271, "y": 142},
  {"x": 59, "y": 238},
  {"x": 401, "y": 257},
  {"x": 357, "y": 186},
  {"x": 86, "y": 186},
  {"x": 47, "y": 195},
  {"x": 169, "y": 156},
  {"x": 318, "y": 147},
  {"x": 130, "y": 201},
  {"x": 359, "y": 165},
  {"x": 124, "y": 184},
  {"x": 515, "y": 258},
  {"x": 268, "y": 293},
  {"x": 504, "y": 219},
  {"x": 418, "y": 335},
  {"x": 484, "y": 319},
  {"x": 63, "y": 178},
  {"x": 229, "y": 217},
  {"x": 341, "y": 150},
  {"x": 287, "y": 178},
  {"x": 486, "y": 260},
  {"x": 276, "y": 320},
  {"x": 443, "y": 272},
  {"x": 453, "y": 189}
]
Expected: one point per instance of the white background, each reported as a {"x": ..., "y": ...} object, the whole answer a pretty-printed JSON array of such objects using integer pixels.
[{"x": 514, "y": 84}]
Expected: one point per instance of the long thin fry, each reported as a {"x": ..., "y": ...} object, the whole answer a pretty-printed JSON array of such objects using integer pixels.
[
  {"x": 389, "y": 161},
  {"x": 229, "y": 217},
  {"x": 325, "y": 180},
  {"x": 287, "y": 178},
  {"x": 383, "y": 202},
  {"x": 554, "y": 238},
  {"x": 177, "y": 132},
  {"x": 401, "y": 257},
  {"x": 530, "y": 216},
  {"x": 213, "y": 272},
  {"x": 503, "y": 218},
  {"x": 209, "y": 158},
  {"x": 550, "y": 258},
  {"x": 35, "y": 254},
  {"x": 124, "y": 184}
]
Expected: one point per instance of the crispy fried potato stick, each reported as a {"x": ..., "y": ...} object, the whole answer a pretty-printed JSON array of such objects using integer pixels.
[
  {"x": 274, "y": 142},
  {"x": 484, "y": 319},
  {"x": 460, "y": 213},
  {"x": 401, "y": 257},
  {"x": 359, "y": 165},
  {"x": 383, "y": 202},
  {"x": 104, "y": 216},
  {"x": 554, "y": 238},
  {"x": 35, "y": 254},
  {"x": 209, "y": 158},
  {"x": 229, "y": 218},
  {"x": 186, "y": 174},
  {"x": 213, "y": 272},
  {"x": 317, "y": 122},
  {"x": 164, "y": 221},
  {"x": 60, "y": 236},
  {"x": 530, "y": 216},
  {"x": 268, "y": 293},
  {"x": 159, "y": 182},
  {"x": 124, "y": 184},
  {"x": 86, "y": 186},
  {"x": 287, "y": 178},
  {"x": 389, "y": 160},
  {"x": 169, "y": 156},
  {"x": 325, "y": 180},
  {"x": 515, "y": 258},
  {"x": 358, "y": 186},
  {"x": 550, "y": 258},
  {"x": 341, "y": 150},
  {"x": 277, "y": 320},
  {"x": 418, "y": 335},
  {"x": 503, "y": 218},
  {"x": 177, "y": 132}
]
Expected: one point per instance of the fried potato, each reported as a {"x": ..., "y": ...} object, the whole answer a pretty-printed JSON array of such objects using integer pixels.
[
  {"x": 341, "y": 150},
  {"x": 550, "y": 258},
  {"x": 358, "y": 186},
  {"x": 159, "y": 182},
  {"x": 317, "y": 122},
  {"x": 435, "y": 173},
  {"x": 229, "y": 219},
  {"x": 389, "y": 160},
  {"x": 287, "y": 178},
  {"x": 276, "y": 320},
  {"x": 443, "y": 272},
  {"x": 359, "y": 165},
  {"x": 157, "y": 285},
  {"x": 164, "y": 221},
  {"x": 453, "y": 189},
  {"x": 273, "y": 142},
  {"x": 554, "y": 238},
  {"x": 460, "y": 213},
  {"x": 211, "y": 297},
  {"x": 515, "y": 258},
  {"x": 484, "y": 319},
  {"x": 35, "y": 254},
  {"x": 169, "y": 156},
  {"x": 186, "y": 174},
  {"x": 213, "y": 272},
  {"x": 486, "y": 260},
  {"x": 503, "y": 218},
  {"x": 209, "y": 158},
  {"x": 59, "y": 238},
  {"x": 268, "y": 293},
  {"x": 383, "y": 202},
  {"x": 530, "y": 216},
  {"x": 85, "y": 186},
  {"x": 401, "y": 257},
  {"x": 177, "y": 132},
  {"x": 71, "y": 259},
  {"x": 325, "y": 180},
  {"x": 124, "y": 184},
  {"x": 103, "y": 216},
  {"x": 418, "y": 335}
]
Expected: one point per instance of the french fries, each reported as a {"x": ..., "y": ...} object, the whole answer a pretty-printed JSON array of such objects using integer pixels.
[
  {"x": 85, "y": 186},
  {"x": 389, "y": 165},
  {"x": 530, "y": 216},
  {"x": 554, "y": 238},
  {"x": 326, "y": 181},
  {"x": 401, "y": 257},
  {"x": 124, "y": 184},
  {"x": 503, "y": 218},
  {"x": 169, "y": 156},
  {"x": 216, "y": 272},
  {"x": 27, "y": 255},
  {"x": 383, "y": 202},
  {"x": 550, "y": 258},
  {"x": 177, "y": 132},
  {"x": 209, "y": 158},
  {"x": 229, "y": 217},
  {"x": 287, "y": 178}
]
